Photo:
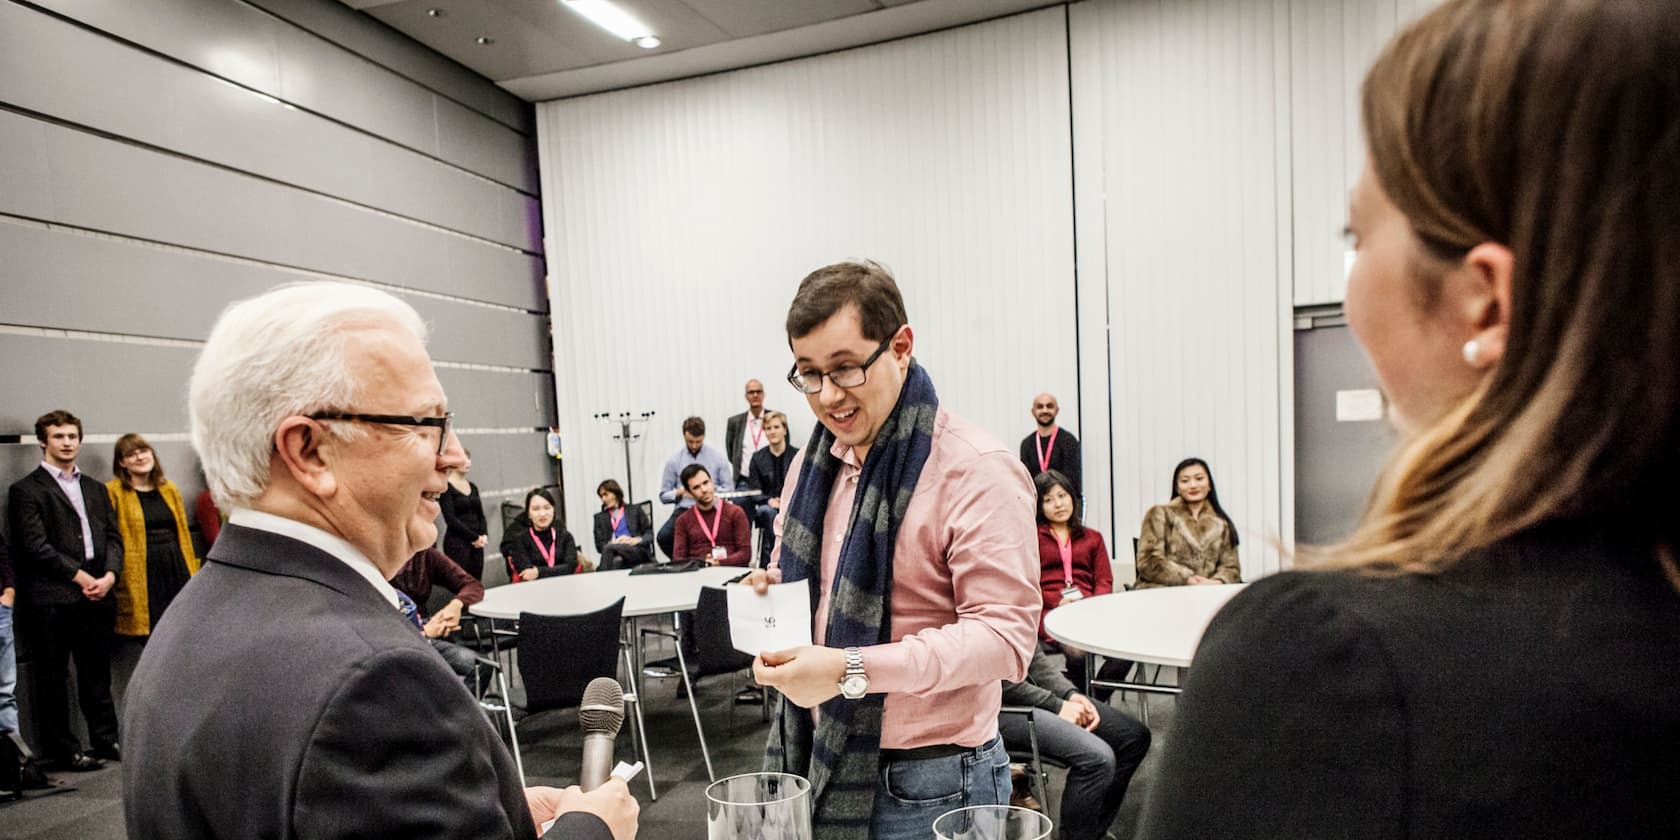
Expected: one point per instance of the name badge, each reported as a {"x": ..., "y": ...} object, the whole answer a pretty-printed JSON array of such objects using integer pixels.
[
  {"x": 1071, "y": 594},
  {"x": 718, "y": 552}
]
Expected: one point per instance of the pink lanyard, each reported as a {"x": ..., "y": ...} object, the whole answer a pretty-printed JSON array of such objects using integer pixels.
[
  {"x": 1044, "y": 451},
  {"x": 548, "y": 553},
  {"x": 1067, "y": 559},
  {"x": 617, "y": 517},
  {"x": 717, "y": 517},
  {"x": 757, "y": 432}
]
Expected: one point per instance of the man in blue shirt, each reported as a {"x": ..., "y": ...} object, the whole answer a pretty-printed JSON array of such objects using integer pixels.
[{"x": 671, "y": 491}]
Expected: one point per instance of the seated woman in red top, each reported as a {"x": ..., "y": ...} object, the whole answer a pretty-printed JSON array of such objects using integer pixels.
[
  {"x": 542, "y": 550},
  {"x": 1073, "y": 564}
]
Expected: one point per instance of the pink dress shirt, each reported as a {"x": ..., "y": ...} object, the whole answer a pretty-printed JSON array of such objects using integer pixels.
[{"x": 965, "y": 599}]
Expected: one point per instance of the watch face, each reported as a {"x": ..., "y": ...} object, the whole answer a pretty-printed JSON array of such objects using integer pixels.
[{"x": 854, "y": 686}]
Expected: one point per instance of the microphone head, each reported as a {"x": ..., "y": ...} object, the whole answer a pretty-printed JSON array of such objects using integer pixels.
[{"x": 602, "y": 708}]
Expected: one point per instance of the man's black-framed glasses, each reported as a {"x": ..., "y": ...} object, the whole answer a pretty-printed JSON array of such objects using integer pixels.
[
  {"x": 845, "y": 376},
  {"x": 440, "y": 423}
]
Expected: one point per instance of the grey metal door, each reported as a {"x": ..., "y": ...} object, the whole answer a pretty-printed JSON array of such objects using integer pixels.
[{"x": 1336, "y": 460}]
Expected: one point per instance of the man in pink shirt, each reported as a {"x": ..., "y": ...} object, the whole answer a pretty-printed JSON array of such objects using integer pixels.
[{"x": 915, "y": 530}]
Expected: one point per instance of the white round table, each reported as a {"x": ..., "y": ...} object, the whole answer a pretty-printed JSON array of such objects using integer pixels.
[
  {"x": 647, "y": 594},
  {"x": 1160, "y": 626}
]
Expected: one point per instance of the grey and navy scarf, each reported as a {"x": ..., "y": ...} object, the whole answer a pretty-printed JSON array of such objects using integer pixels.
[{"x": 841, "y": 755}]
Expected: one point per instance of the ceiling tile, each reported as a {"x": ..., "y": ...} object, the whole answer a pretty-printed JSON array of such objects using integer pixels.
[{"x": 741, "y": 18}]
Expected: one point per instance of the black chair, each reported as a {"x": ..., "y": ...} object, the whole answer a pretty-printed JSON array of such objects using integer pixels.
[
  {"x": 560, "y": 654},
  {"x": 714, "y": 654},
  {"x": 1034, "y": 761}
]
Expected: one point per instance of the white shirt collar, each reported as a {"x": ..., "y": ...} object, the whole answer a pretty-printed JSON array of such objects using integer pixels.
[
  {"x": 330, "y": 543},
  {"x": 72, "y": 474}
]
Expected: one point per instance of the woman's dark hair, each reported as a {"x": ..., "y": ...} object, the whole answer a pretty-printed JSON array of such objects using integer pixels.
[
  {"x": 1050, "y": 480},
  {"x": 1212, "y": 496},
  {"x": 611, "y": 486},
  {"x": 539, "y": 492}
]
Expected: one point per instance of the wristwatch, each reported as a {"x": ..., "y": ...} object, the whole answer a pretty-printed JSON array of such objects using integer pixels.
[{"x": 854, "y": 683}]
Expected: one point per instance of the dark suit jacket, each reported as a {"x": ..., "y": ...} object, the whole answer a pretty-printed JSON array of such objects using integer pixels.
[
  {"x": 733, "y": 432},
  {"x": 46, "y": 538},
  {"x": 1528, "y": 691},
  {"x": 312, "y": 709},
  {"x": 637, "y": 524}
]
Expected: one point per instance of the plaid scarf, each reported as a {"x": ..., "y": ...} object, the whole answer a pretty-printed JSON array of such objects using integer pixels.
[{"x": 841, "y": 755}]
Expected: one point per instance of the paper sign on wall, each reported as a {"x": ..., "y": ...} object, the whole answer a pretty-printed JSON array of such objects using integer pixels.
[{"x": 1359, "y": 406}]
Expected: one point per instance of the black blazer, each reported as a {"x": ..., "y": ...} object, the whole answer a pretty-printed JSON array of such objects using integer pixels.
[
  {"x": 637, "y": 524},
  {"x": 733, "y": 432},
  {"x": 317, "y": 711},
  {"x": 46, "y": 538},
  {"x": 522, "y": 553},
  {"x": 1529, "y": 691}
]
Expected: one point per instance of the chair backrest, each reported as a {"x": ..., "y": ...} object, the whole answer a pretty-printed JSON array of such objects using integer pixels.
[
  {"x": 1134, "y": 547},
  {"x": 714, "y": 652},
  {"x": 560, "y": 654},
  {"x": 646, "y": 507}
]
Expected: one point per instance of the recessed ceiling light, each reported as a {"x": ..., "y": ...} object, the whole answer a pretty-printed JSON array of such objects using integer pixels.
[
  {"x": 437, "y": 13},
  {"x": 485, "y": 40},
  {"x": 605, "y": 14}
]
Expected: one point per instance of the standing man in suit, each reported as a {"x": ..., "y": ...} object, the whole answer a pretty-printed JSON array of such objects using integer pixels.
[
  {"x": 314, "y": 707},
  {"x": 67, "y": 554},
  {"x": 1051, "y": 447},
  {"x": 744, "y": 433}
]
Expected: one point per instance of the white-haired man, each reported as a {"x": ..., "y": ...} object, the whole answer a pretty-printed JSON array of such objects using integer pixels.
[{"x": 288, "y": 695}]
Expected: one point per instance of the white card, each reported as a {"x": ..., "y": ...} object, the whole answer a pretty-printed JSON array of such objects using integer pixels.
[{"x": 777, "y": 620}]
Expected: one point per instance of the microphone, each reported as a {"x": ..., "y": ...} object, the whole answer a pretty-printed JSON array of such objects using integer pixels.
[{"x": 600, "y": 715}]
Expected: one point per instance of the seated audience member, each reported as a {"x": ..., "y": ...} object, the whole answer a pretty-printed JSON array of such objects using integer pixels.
[
  {"x": 431, "y": 567},
  {"x": 157, "y": 550},
  {"x": 671, "y": 491},
  {"x": 1073, "y": 564},
  {"x": 540, "y": 548},
  {"x": 1100, "y": 745},
  {"x": 768, "y": 472},
  {"x": 1492, "y": 652},
  {"x": 1190, "y": 539},
  {"x": 713, "y": 530},
  {"x": 465, "y": 531},
  {"x": 623, "y": 537}
]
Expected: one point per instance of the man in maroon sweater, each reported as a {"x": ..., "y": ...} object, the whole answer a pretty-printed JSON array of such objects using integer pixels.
[
  {"x": 432, "y": 567},
  {"x": 713, "y": 529}
]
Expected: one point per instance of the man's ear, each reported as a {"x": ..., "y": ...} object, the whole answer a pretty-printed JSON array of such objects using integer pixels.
[
  {"x": 903, "y": 345},
  {"x": 302, "y": 446},
  {"x": 1485, "y": 303}
]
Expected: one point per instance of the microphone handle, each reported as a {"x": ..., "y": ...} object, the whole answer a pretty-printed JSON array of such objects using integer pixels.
[{"x": 597, "y": 760}]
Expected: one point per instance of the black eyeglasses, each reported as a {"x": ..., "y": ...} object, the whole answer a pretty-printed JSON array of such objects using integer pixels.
[
  {"x": 845, "y": 376},
  {"x": 440, "y": 423}
]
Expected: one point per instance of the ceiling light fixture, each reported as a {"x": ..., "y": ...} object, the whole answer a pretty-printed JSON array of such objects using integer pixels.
[
  {"x": 437, "y": 13},
  {"x": 608, "y": 16},
  {"x": 485, "y": 40}
]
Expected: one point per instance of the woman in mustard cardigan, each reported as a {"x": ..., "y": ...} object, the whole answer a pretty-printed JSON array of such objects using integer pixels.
[{"x": 157, "y": 552}]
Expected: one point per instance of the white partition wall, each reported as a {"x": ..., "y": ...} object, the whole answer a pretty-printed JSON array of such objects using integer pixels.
[
  {"x": 680, "y": 218},
  {"x": 1182, "y": 150}
]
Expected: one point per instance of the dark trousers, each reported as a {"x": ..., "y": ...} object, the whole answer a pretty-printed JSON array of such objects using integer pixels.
[
  {"x": 624, "y": 556},
  {"x": 47, "y": 638},
  {"x": 1100, "y": 764},
  {"x": 764, "y": 518}
]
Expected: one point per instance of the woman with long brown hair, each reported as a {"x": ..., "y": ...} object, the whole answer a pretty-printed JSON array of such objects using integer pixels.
[
  {"x": 158, "y": 554},
  {"x": 1493, "y": 651}
]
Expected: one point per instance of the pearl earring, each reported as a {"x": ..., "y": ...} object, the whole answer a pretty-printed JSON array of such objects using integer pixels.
[{"x": 1472, "y": 352}]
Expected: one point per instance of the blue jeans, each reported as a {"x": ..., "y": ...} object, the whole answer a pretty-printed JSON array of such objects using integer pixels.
[
  {"x": 910, "y": 795},
  {"x": 8, "y": 673}
]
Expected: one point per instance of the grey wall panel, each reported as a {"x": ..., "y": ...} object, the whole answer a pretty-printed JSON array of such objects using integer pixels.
[
  {"x": 367, "y": 37},
  {"x": 136, "y": 288},
  {"x": 107, "y": 185},
  {"x": 114, "y": 387},
  {"x": 486, "y": 147},
  {"x": 246, "y": 44},
  {"x": 25, "y": 174},
  {"x": 51, "y": 66},
  {"x": 498, "y": 400}
]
